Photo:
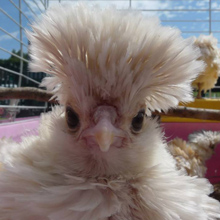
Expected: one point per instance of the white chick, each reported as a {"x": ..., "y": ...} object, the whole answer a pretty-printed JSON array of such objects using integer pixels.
[{"x": 99, "y": 157}]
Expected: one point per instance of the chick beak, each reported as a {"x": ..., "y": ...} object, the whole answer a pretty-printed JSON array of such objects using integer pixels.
[{"x": 104, "y": 136}]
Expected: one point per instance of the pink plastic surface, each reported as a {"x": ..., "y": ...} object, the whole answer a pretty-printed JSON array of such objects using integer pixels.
[
  {"x": 172, "y": 130},
  {"x": 19, "y": 128}
]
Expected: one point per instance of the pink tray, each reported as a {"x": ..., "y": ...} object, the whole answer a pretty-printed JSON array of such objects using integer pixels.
[{"x": 20, "y": 128}]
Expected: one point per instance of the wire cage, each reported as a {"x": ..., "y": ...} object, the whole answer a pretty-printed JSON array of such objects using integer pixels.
[
  {"x": 192, "y": 17},
  {"x": 16, "y": 16}
]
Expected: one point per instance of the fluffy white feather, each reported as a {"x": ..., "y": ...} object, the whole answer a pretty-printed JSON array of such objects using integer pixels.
[
  {"x": 107, "y": 65},
  {"x": 148, "y": 61}
]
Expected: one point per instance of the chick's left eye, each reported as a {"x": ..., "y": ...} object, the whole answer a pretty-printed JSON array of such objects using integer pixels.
[
  {"x": 137, "y": 121},
  {"x": 72, "y": 118}
]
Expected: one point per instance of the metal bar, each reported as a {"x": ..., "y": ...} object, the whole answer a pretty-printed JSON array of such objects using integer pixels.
[
  {"x": 4, "y": 12},
  {"x": 37, "y": 6},
  {"x": 210, "y": 31},
  {"x": 210, "y": 16},
  {"x": 16, "y": 73},
  {"x": 126, "y": 0},
  {"x": 8, "y": 121},
  {"x": 30, "y": 8},
  {"x": 210, "y": 93},
  {"x": 200, "y": 32},
  {"x": 189, "y": 20},
  {"x": 46, "y": 106},
  {"x": 149, "y": 0},
  {"x": 47, "y": 3},
  {"x": 21, "y": 48},
  {"x": 176, "y": 10},
  {"x": 22, "y": 107},
  {"x": 14, "y": 54},
  {"x": 195, "y": 32},
  {"x": 1, "y": 29},
  {"x": 42, "y": 4},
  {"x": 20, "y": 10}
]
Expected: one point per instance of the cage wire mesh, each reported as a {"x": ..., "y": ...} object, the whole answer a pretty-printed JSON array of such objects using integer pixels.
[{"x": 192, "y": 17}]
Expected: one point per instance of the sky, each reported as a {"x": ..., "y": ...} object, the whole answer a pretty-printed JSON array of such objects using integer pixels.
[{"x": 181, "y": 18}]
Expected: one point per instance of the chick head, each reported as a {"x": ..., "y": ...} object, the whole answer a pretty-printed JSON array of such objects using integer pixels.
[{"x": 110, "y": 69}]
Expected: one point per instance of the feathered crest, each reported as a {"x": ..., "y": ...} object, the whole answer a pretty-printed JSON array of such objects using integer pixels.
[{"x": 110, "y": 54}]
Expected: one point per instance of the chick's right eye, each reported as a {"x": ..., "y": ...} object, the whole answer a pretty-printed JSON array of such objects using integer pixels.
[{"x": 72, "y": 118}]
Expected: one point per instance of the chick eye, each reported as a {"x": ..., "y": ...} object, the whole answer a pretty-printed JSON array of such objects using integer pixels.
[
  {"x": 212, "y": 147},
  {"x": 137, "y": 121},
  {"x": 72, "y": 118}
]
